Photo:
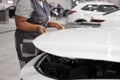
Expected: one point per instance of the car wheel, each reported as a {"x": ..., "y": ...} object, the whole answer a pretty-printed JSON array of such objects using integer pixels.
[{"x": 80, "y": 21}]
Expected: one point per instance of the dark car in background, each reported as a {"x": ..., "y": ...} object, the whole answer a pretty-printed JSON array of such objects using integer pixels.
[{"x": 11, "y": 11}]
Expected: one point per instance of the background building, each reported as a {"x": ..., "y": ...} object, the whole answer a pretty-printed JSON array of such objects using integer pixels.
[
  {"x": 117, "y": 2},
  {"x": 67, "y": 4}
]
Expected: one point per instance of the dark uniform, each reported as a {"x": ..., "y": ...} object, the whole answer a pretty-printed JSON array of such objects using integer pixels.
[{"x": 24, "y": 46}]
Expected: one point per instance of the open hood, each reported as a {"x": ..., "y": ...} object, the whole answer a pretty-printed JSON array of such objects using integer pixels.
[{"x": 84, "y": 43}]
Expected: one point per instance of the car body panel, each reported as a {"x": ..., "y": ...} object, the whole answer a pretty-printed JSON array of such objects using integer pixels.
[
  {"x": 85, "y": 14},
  {"x": 86, "y": 43},
  {"x": 111, "y": 20},
  {"x": 29, "y": 72},
  {"x": 82, "y": 43}
]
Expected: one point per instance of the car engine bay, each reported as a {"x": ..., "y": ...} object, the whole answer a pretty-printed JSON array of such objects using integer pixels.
[{"x": 63, "y": 68}]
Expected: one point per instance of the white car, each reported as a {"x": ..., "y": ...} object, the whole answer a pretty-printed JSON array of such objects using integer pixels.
[
  {"x": 83, "y": 11},
  {"x": 78, "y": 53},
  {"x": 108, "y": 20}
]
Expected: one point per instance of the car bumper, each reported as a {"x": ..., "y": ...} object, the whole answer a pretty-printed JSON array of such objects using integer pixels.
[{"x": 28, "y": 72}]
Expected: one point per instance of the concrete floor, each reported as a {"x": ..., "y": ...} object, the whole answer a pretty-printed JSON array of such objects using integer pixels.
[{"x": 9, "y": 64}]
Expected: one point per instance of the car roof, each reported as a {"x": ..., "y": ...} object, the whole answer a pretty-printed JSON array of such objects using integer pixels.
[
  {"x": 82, "y": 4},
  {"x": 86, "y": 43},
  {"x": 97, "y": 2}
]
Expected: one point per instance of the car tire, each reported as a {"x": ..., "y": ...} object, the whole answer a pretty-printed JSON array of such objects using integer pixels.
[{"x": 80, "y": 21}]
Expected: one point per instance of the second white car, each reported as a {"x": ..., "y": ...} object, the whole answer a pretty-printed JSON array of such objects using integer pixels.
[
  {"x": 83, "y": 11},
  {"x": 108, "y": 20}
]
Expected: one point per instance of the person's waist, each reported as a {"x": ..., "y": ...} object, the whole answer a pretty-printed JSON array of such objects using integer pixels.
[{"x": 23, "y": 31}]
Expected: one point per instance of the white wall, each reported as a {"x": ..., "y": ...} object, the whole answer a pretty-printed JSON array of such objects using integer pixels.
[
  {"x": 66, "y": 4},
  {"x": 5, "y": 4},
  {"x": 4, "y": 1},
  {"x": 117, "y": 2}
]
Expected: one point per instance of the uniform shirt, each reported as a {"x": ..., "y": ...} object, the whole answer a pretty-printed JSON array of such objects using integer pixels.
[{"x": 24, "y": 8}]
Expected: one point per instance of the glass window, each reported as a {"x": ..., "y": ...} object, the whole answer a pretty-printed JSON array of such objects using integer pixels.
[
  {"x": 107, "y": 8},
  {"x": 90, "y": 7},
  {"x": 100, "y": 8}
]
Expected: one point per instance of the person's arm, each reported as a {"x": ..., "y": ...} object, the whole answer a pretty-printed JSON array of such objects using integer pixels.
[
  {"x": 55, "y": 24},
  {"x": 22, "y": 24}
]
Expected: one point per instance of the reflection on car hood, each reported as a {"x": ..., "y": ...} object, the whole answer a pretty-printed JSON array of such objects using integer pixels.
[{"x": 87, "y": 43}]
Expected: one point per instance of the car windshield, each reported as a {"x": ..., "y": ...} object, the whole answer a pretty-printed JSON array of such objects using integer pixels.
[
  {"x": 65, "y": 68},
  {"x": 100, "y": 8}
]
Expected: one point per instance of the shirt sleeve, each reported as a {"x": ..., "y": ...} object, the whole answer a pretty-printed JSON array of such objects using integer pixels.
[{"x": 24, "y": 8}]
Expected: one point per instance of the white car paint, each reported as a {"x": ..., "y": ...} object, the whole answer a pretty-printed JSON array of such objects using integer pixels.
[
  {"x": 101, "y": 44},
  {"x": 85, "y": 14},
  {"x": 111, "y": 20},
  {"x": 86, "y": 43},
  {"x": 28, "y": 72}
]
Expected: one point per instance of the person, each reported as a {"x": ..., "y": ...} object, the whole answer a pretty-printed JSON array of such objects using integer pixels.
[
  {"x": 32, "y": 17},
  {"x": 59, "y": 9}
]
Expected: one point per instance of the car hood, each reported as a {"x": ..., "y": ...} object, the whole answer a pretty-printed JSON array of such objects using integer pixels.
[
  {"x": 84, "y": 43},
  {"x": 111, "y": 25}
]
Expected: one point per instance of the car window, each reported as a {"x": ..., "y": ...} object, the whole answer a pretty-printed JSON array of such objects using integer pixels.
[
  {"x": 107, "y": 8},
  {"x": 100, "y": 8},
  {"x": 90, "y": 7}
]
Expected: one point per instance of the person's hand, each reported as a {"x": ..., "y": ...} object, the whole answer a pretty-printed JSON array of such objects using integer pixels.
[
  {"x": 41, "y": 29},
  {"x": 59, "y": 27},
  {"x": 55, "y": 25}
]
